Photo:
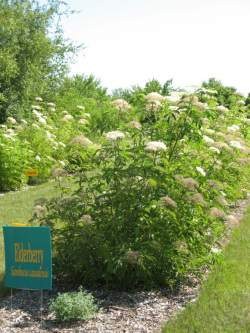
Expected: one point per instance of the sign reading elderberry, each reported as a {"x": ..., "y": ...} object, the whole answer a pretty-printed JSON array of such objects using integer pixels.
[{"x": 28, "y": 258}]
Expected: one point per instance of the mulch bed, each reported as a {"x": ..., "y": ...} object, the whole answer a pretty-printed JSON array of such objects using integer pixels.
[{"x": 123, "y": 312}]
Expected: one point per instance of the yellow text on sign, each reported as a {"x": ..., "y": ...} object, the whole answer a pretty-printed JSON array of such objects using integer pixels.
[{"x": 27, "y": 255}]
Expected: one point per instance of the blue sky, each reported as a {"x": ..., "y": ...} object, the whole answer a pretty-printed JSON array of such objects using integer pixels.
[{"x": 128, "y": 42}]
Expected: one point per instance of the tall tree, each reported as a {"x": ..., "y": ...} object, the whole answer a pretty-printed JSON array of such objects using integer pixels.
[
  {"x": 33, "y": 53},
  {"x": 225, "y": 95}
]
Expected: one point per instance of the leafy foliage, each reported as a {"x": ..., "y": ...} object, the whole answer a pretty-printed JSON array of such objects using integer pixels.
[{"x": 13, "y": 159}]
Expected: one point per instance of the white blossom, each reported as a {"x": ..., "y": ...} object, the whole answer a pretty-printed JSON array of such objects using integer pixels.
[
  {"x": 52, "y": 105},
  {"x": 81, "y": 140},
  {"x": 38, "y": 158},
  {"x": 222, "y": 108},
  {"x": 115, "y": 135},
  {"x": 23, "y": 121},
  {"x": 80, "y": 107},
  {"x": 37, "y": 113},
  {"x": 214, "y": 150},
  {"x": 155, "y": 96},
  {"x": 50, "y": 136},
  {"x": 201, "y": 106},
  {"x": 208, "y": 140},
  {"x": 190, "y": 98},
  {"x": 67, "y": 117},
  {"x": 42, "y": 120},
  {"x": 201, "y": 171},
  {"x": 36, "y": 107},
  {"x": 11, "y": 120},
  {"x": 38, "y": 99},
  {"x": 8, "y": 136},
  {"x": 121, "y": 105},
  {"x": 215, "y": 250},
  {"x": 135, "y": 124},
  {"x": 236, "y": 144},
  {"x": 155, "y": 146},
  {"x": 233, "y": 128},
  {"x": 83, "y": 121},
  {"x": 153, "y": 105}
]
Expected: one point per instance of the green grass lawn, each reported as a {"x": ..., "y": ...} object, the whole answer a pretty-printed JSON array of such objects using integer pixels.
[
  {"x": 224, "y": 302},
  {"x": 17, "y": 207}
]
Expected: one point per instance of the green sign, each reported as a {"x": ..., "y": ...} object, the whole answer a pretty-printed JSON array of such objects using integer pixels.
[{"x": 28, "y": 263}]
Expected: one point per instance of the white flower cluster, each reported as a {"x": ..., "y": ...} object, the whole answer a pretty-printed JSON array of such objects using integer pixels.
[
  {"x": 36, "y": 107},
  {"x": 190, "y": 99},
  {"x": 155, "y": 146},
  {"x": 80, "y": 107},
  {"x": 154, "y": 101},
  {"x": 121, "y": 105},
  {"x": 83, "y": 121},
  {"x": 11, "y": 121},
  {"x": 50, "y": 135},
  {"x": 214, "y": 150},
  {"x": 40, "y": 117},
  {"x": 201, "y": 171},
  {"x": 222, "y": 109},
  {"x": 51, "y": 105},
  {"x": 115, "y": 135},
  {"x": 236, "y": 144},
  {"x": 208, "y": 140},
  {"x": 67, "y": 117},
  {"x": 9, "y": 134},
  {"x": 82, "y": 141},
  {"x": 135, "y": 124},
  {"x": 233, "y": 128},
  {"x": 201, "y": 106}
]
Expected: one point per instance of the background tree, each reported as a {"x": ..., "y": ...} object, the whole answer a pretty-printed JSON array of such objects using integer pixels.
[
  {"x": 81, "y": 86},
  {"x": 226, "y": 96},
  {"x": 33, "y": 53},
  {"x": 136, "y": 93}
]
